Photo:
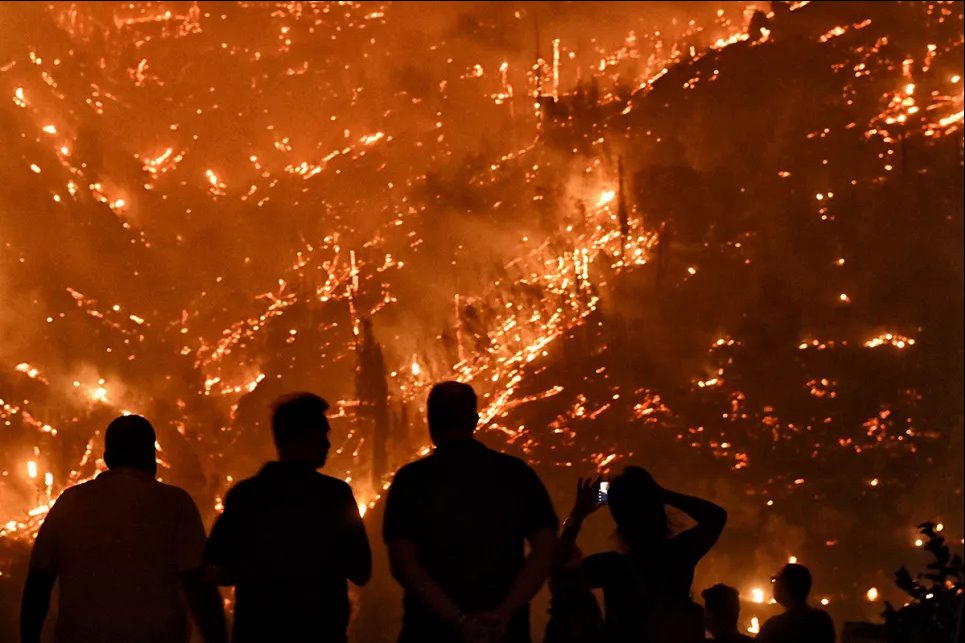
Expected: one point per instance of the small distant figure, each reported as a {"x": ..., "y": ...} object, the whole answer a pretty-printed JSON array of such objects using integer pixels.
[
  {"x": 456, "y": 524},
  {"x": 800, "y": 623},
  {"x": 123, "y": 547},
  {"x": 646, "y": 588},
  {"x": 290, "y": 537},
  {"x": 721, "y": 611}
]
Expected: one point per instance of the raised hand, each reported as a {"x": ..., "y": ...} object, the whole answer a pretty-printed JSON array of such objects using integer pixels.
[{"x": 587, "y": 497}]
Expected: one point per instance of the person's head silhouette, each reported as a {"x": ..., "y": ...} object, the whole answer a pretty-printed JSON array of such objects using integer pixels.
[
  {"x": 129, "y": 443},
  {"x": 300, "y": 429},
  {"x": 636, "y": 503},
  {"x": 721, "y": 609},
  {"x": 452, "y": 413},
  {"x": 792, "y": 586}
]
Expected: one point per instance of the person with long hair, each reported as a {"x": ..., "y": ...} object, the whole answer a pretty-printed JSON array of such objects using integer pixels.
[{"x": 646, "y": 586}]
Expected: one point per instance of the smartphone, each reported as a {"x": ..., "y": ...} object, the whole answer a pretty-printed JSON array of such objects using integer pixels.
[{"x": 604, "y": 491}]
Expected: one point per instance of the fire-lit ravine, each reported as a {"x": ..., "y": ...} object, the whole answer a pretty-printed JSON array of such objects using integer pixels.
[{"x": 719, "y": 240}]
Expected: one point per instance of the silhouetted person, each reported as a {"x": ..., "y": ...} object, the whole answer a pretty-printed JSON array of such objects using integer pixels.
[
  {"x": 646, "y": 589},
  {"x": 574, "y": 615},
  {"x": 122, "y": 546},
  {"x": 290, "y": 537},
  {"x": 800, "y": 623},
  {"x": 456, "y": 524},
  {"x": 721, "y": 611}
]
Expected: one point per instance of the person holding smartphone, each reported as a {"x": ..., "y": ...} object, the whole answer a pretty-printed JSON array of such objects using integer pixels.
[{"x": 646, "y": 587}]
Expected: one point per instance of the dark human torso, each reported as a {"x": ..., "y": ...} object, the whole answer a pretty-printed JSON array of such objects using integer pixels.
[
  {"x": 468, "y": 511},
  {"x": 647, "y": 598},
  {"x": 118, "y": 544},
  {"x": 800, "y": 626},
  {"x": 279, "y": 540}
]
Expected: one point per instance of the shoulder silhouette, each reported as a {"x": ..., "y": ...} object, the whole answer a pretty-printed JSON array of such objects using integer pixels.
[
  {"x": 456, "y": 523},
  {"x": 721, "y": 613},
  {"x": 290, "y": 538},
  {"x": 800, "y": 622},
  {"x": 123, "y": 547}
]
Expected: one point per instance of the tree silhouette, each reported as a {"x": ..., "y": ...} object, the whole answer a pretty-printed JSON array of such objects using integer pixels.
[{"x": 934, "y": 613}]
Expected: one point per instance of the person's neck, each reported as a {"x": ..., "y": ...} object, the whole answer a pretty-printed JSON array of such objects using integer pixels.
[
  {"x": 450, "y": 441},
  {"x": 295, "y": 461},
  {"x": 797, "y": 607},
  {"x": 131, "y": 469}
]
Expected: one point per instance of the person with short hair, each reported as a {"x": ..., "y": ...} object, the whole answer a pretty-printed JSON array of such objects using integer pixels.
[
  {"x": 290, "y": 538},
  {"x": 800, "y": 623},
  {"x": 721, "y": 611},
  {"x": 456, "y": 524},
  {"x": 123, "y": 548}
]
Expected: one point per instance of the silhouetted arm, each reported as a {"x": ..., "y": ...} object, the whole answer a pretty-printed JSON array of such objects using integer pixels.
[
  {"x": 586, "y": 502},
  {"x": 400, "y": 530},
  {"x": 220, "y": 552},
  {"x": 541, "y": 524},
  {"x": 566, "y": 544},
  {"x": 36, "y": 602},
  {"x": 710, "y": 518},
  {"x": 44, "y": 568},
  {"x": 406, "y": 569},
  {"x": 205, "y": 604},
  {"x": 535, "y": 569},
  {"x": 355, "y": 545},
  {"x": 202, "y": 595}
]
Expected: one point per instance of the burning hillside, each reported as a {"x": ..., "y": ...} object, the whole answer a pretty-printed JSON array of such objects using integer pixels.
[{"x": 702, "y": 237}]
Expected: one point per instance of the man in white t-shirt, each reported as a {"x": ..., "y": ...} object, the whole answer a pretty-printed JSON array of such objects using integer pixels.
[{"x": 126, "y": 550}]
